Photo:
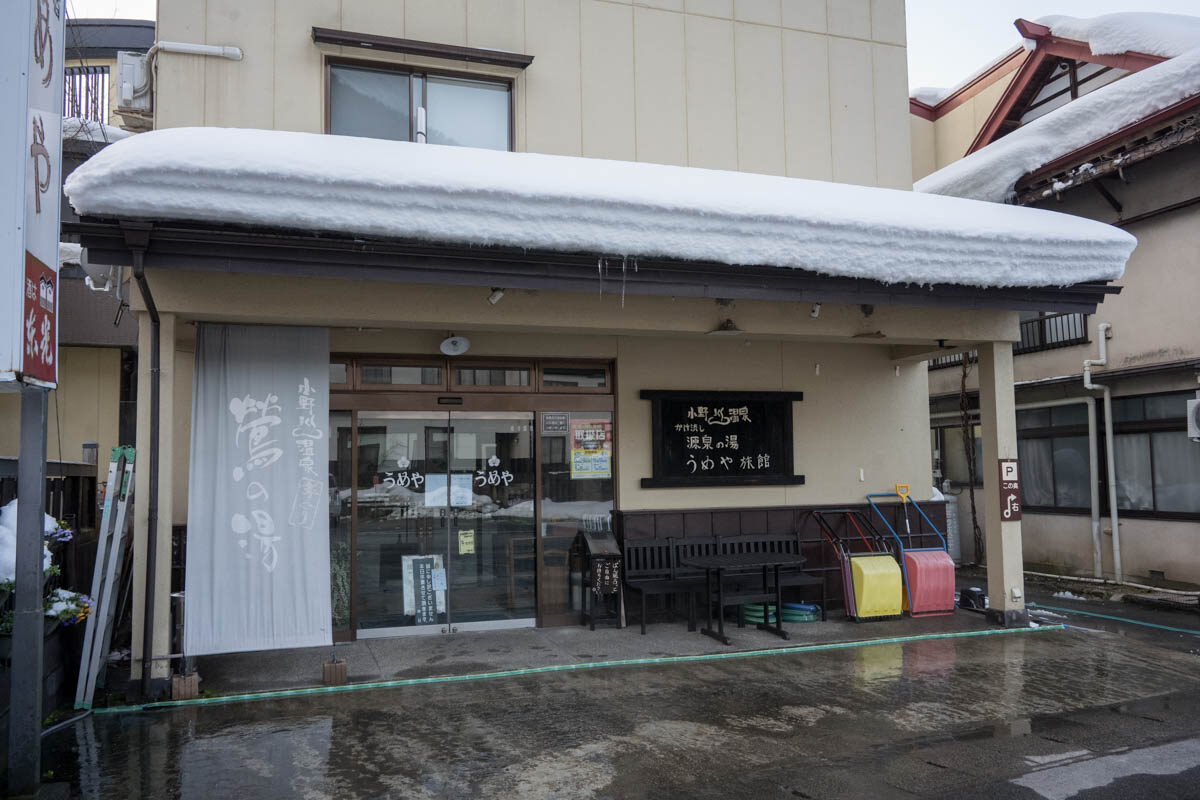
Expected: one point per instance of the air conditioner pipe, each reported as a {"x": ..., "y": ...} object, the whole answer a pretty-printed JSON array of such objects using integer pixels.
[
  {"x": 1093, "y": 462},
  {"x": 1110, "y": 461},
  {"x": 189, "y": 49}
]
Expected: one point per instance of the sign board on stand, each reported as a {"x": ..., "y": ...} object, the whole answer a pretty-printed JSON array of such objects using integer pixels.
[{"x": 31, "y": 52}]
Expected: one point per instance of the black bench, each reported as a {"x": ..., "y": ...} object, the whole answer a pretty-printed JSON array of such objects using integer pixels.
[
  {"x": 656, "y": 567},
  {"x": 651, "y": 567}
]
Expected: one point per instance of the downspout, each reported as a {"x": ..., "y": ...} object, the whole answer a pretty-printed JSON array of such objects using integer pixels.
[
  {"x": 138, "y": 239},
  {"x": 1102, "y": 329}
]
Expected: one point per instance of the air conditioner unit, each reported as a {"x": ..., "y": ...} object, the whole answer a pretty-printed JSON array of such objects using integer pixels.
[
  {"x": 1193, "y": 419},
  {"x": 133, "y": 83}
]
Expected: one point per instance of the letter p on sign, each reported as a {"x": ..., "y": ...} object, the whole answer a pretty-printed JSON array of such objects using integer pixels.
[{"x": 1010, "y": 490}]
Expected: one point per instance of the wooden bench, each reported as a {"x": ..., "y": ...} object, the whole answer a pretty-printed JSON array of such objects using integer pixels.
[{"x": 656, "y": 567}]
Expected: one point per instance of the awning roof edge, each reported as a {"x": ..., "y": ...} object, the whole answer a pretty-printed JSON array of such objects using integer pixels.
[
  {"x": 470, "y": 198},
  {"x": 230, "y": 249}
]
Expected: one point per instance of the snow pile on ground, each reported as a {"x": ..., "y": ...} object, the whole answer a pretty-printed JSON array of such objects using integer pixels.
[
  {"x": 1166, "y": 35},
  {"x": 89, "y": 130},
  {"x": 8, "y": 541},
  {"x": 992, "y": 172},
  {"x": 467, "y": 196},
  {"x": 1065, "y": 595}
]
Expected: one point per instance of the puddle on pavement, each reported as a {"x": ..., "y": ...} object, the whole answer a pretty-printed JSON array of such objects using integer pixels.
[{"x": 475, "y": 738}]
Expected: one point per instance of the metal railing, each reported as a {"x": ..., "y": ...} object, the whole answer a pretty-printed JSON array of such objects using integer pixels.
[
  {"x": 1048, "y": 332},
  {"x": 85, "y": 93},
  {"x": 1052, "y": 331}
]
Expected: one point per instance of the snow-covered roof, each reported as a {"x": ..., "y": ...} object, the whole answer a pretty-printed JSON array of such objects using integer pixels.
[
  {"x": 466, "y": 196},
  {"x": 89, "y": 130},
  {"x": 1155, "y": 34},
  {"x": 932, "y": 95},
  {"x": 992, "y": 172}
]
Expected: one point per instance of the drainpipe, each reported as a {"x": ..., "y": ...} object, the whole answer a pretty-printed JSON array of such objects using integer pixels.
[
  {"x": 137, "y": 239},
  {"x": 1093, "y": 461},
  {"x": 1102, "y": 329}
]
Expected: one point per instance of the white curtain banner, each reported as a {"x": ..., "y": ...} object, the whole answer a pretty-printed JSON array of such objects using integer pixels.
[{"x": 258, "y": 491}]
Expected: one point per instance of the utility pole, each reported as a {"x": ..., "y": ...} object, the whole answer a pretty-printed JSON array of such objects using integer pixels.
[
  {"x": 25, "y": 716},
  {"x": 31, "y": 93}
]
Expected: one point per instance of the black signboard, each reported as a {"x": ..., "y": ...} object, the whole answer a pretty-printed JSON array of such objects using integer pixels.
[{"x": 722, "y": 438}]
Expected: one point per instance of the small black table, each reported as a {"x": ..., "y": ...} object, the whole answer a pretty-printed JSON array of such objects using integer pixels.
[{"x": 743, "y": 562}]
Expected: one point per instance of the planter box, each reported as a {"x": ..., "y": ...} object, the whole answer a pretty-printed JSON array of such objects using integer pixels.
[{"x": 60, "y": 666}]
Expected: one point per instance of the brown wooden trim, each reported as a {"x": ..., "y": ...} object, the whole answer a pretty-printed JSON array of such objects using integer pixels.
[
  {"x": 468, "y": 401},
  {"x": 488, "y": 364},
  {"x": 357, "y": 363},
  {"x": 605, "y": 365},
  {"x": 922, "y": 110},
  {"x": 966, "y": 92},
  {"x": 341, "y": 387},
  {"x": 353, "y": 522},
  {"x": 1049, "y": 46},
  {"x": 413, "y": 47},
  {"x": 539, "y": 545},
  {"x": 1080, "y": 154}
]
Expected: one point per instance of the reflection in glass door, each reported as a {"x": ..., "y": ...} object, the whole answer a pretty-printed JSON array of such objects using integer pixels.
[
  {"x": 444, "y": 522},
  {"x": 493, "y": 547},
  {"x": 577, "y": 496}
]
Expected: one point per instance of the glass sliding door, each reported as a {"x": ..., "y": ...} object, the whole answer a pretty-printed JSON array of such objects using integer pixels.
[
  {"x": 444, "y": 515},
  {"x": 577, "y": 495},
  {"x": 493, "y": 546},
  {"x": 402, "y": 522}
]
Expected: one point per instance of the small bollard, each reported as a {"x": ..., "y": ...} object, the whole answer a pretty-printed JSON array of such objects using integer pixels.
[
  {"x": 333, "y": 671},
  {"x": 185, "y": 687}
]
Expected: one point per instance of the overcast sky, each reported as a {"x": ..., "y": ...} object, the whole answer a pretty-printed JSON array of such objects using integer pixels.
[{"x": 947, "y": 39}]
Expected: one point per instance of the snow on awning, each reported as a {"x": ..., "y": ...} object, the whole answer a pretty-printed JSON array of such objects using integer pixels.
[{"x": 465, "y": 196}]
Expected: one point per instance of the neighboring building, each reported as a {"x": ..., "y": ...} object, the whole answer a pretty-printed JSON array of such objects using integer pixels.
[
  {"x": 581, "y": 285},
  {"x": 1115, "y": 104},
  {"x": 92, "y": 410}
]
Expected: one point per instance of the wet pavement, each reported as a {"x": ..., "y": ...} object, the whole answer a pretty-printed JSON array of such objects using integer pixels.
[{"x": 1051, "y": 714}]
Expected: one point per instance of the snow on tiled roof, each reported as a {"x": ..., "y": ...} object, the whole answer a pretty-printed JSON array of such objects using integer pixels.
[
  {"x": 466, "y": 196},
  {"x": 992, "y": 172},
  {"x": 1166, "y": 35}
]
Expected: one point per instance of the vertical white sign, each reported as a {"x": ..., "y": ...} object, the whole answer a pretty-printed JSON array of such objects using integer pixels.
[{"x": 31, "y": 88}]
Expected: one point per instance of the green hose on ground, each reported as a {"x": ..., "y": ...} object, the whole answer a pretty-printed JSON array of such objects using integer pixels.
[{"x": 628, "y": 662}]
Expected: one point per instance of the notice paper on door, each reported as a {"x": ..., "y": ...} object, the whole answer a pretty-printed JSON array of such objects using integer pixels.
[
  {"x": 466, "y": 542},
  {"x": 439, "y": 580}
]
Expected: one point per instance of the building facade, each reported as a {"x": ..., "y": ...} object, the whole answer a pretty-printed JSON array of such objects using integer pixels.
[
  {"x": 1137, "y": 172},
  {"x": 499, "y": 379}
]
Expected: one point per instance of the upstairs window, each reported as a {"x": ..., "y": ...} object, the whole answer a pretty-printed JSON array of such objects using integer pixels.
[{"x": 385, "y": 103}]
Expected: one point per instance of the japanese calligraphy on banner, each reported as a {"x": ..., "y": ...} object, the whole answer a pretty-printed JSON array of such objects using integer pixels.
[
  {"x": 591, "y": 448},
  {"x": 258, "y": 490},
  {"x": 31, "y": 45},
  {"x": 721, "y": 438}
]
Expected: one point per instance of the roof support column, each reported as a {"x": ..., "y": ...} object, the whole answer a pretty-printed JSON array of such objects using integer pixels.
[{"x": 997, "y": 415}]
